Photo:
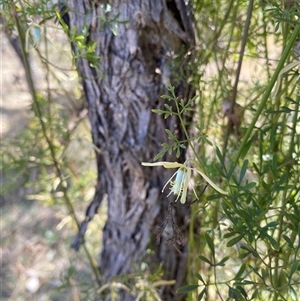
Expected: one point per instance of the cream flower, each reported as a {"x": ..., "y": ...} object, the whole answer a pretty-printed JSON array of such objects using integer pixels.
[{"x": 183, "y": 175}]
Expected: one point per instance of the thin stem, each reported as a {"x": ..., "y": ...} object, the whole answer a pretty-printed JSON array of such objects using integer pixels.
[
  {"x": 267, "y": 93},
  {"x": 238, "y": 72},
  {"x": 221, "y": 70},
  {"x": 49, "y": 142},
  {"x": 185, "y": 130},
  {"x": 285, "y": 197}
]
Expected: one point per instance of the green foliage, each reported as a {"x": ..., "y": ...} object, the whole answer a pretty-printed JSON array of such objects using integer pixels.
[
  {"x": 252, "y": 234},
  {"x": 181, "y": 109},
  {"x": 44, "y": 165},
  {"x": 244, "y": 246},
  {"x": 40, "y": 161}
]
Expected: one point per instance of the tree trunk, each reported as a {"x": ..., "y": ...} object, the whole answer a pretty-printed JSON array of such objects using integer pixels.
[{"x": 131, "y": 75}]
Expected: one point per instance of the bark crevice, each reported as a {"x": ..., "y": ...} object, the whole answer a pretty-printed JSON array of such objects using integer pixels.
[{"x": 134, "y": 70}]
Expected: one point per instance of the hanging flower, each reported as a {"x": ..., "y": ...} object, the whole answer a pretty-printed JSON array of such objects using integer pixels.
[{"x": 183, "y": 175}]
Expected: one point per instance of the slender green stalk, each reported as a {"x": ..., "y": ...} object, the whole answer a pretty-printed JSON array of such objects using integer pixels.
[
  {"x": 238, "y": 72},
  {"x": 222, "y": 68},
  {"x": 267, "y": 93},
  {"x": 182, "y": 123},
  {"x": 285, "y": 197}
]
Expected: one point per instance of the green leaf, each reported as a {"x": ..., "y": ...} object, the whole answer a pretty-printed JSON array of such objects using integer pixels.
[
  {"x": 250, "y": 250},
  {"x": 220, "y": 169},
  {"x": 254, "y": 295},
  {"x": 229, "y": 234},
  {"x": 243, "y": 255},
  {"x": 166, "y": 97},
  {"x": 221, "y": 263},
  {"x": 288, "y": 240},
  {"x": 235, "y": 240},
  {"x": 282, "y": 180},
  {"x": 160, "y": 154},
  {"x": 191, "y": 100},
  {"x": 205, "y": 259},
  {"x": 210, "y": 244},
  {"x": 249, "y": 186},
  {"x": 274, "y": 164},
  {"x": 285, "y": 109},
  {"x": 271, "y": 224},
  {"x": 234, "y": 179},
  {"x": 169, "y": 108},
  {"x": 158, "y": 111},
  {"x": 208, "y": 141},
  {"x": 264, "y": 273},
  {"x": 114, "y": 28},
  {"x": 235, "y": 294},
  {"x": 92, "y": 58},
  {"x": 200, "y": 296},
  {"x": 92, "y": 45},
  {"x": 256, "y": 168},
  {"x": 250, "y": 282},
  {"x": 294, "y": 268},
  {"x": 171, "y": 136},
  {"x": 273, "y": 242},
  {"x": 187, "y": 288},
  {"x": 231, "y": 170},
  {"x": 241, "y": 271},
  {"x": 242, "y": 291},
  {"x": 243, "y": 170},
  {"x": 293, "y": 294},
  {"x": 199, "y": 277},
  {"x": 254, "y": 270},
  {"x": 172, "y": 90},
  {"x": 219, "y": 155},
  {"x": 178, "y": 152},
  {"x": 291, "y": 100},
  {"x": 246, "y": 147},
  {"x": 213, "y": 197},
  {"x": 79, "y": 38}
]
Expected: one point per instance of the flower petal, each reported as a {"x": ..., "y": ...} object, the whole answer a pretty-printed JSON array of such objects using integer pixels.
[
  {"x": 210, "y": 182},
  {"x": 185, "y": 186},
  {"x": 179, "y": 181},
  {"x": 165, "y": 164},
  {"x": 170, "y": 180}
]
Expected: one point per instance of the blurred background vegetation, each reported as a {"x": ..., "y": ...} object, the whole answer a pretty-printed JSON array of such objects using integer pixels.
[{"x": 244, "y": 249}]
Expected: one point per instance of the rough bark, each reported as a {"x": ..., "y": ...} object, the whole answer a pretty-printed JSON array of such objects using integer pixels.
[{"x": 134, "y": 69}]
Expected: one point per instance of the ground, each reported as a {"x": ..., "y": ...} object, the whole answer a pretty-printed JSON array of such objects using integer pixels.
[{"x": 37, "y": 261}]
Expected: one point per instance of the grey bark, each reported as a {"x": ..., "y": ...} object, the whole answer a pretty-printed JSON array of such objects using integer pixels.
[{"x": 135, "y": 66}]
